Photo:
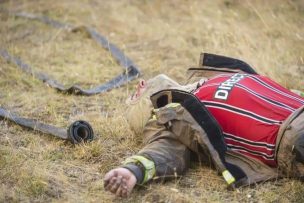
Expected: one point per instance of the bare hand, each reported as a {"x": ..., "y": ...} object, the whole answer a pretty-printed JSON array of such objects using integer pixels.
[{"x": 120, "y": 181}]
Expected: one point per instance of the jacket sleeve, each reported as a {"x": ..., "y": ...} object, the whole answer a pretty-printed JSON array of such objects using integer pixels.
[{"x": 169, "y": 156}]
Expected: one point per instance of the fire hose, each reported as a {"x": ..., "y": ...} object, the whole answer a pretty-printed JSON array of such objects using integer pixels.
[
  {"x": 131, "y": 70},
  {"x": 77, "y": 132}
]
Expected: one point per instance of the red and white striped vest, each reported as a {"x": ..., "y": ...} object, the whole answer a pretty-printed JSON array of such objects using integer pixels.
[{"x": 250, "y": 110}]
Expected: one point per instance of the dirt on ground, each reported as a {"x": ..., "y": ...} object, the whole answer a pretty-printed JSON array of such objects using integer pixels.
[{"x": 160, "y": 37}]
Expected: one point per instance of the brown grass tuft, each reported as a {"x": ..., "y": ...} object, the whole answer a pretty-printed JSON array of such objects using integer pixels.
[{"x": 161, "y": 37}]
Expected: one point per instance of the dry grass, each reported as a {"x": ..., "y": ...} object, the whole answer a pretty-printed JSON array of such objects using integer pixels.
[{"x": 161, "y": 37}]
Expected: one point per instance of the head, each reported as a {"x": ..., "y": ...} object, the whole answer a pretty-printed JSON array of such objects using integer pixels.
[{"x": 139, "y": 104}]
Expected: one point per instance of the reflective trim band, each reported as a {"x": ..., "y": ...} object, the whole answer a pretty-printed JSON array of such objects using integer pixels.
[
  {"x": 173, "y": 105},
  {"x": 170, "y": 105},
  {"x": 155, "y": 110},
  {"x": 153, "y": 117},
  {"x": 228, "y": 177},
  {"x": 148, "y": 165}
]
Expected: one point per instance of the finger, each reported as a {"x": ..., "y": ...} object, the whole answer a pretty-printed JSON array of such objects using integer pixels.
[
  {"x": 111, "y": 183},
  {"x": 116, "y": 185},
  {"x": 119, "y": 191},
  {"x": 107, "y": 179},
  {"x": 124, "y": 183},
  {"x": 124, "y": 192},
  {"x": 110, "y": 174},
  {"x": 122, "y": 187}
]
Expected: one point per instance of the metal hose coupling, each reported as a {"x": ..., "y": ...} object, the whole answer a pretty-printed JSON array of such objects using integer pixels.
[{"x": 80, "y": 131}]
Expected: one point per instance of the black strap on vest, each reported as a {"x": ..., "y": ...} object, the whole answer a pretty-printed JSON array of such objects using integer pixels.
[
  {"x": 131, "y": 70},
  {"x": 78, "y": 131},
  {"x": 219, "y": 61},
  {"x": 203, "y": 117},
  {"x": 200, "y": 114}
]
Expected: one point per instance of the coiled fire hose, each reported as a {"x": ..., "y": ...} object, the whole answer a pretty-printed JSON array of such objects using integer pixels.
[{"x": 77, "y": 132}]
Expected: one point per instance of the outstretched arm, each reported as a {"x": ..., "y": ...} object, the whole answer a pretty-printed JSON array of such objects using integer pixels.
[{"x": 164, "y": 156}]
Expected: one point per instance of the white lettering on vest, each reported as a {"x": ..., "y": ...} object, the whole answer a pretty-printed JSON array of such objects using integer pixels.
[
  {"x": 221, "y": 94},
  {"x": 224, "y": 88}
]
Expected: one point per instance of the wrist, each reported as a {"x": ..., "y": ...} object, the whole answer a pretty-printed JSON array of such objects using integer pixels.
[
  {"x": 146, "y": 166},
  {"x": 136, "y": 170}
]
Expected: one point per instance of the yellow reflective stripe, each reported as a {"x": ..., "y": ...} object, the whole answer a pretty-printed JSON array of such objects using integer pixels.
[
  {"x": 228, "y": 177},
  {"x": 170, "y": 105},
  {"x": 148, "y": 165},
  {"x": 155, "y": 110},
  {"x": 153, "y": 117},
  {"x": 173, "y": 105}
]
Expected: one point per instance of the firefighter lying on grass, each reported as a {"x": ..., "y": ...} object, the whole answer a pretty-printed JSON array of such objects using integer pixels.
[{"x": 248, "y": 127}]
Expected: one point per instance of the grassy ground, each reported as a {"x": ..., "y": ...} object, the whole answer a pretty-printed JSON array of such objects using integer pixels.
[{"x": 161, "y": 37}]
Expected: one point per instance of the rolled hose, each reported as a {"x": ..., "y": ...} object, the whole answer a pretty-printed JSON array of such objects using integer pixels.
[{"x": 80, "y": 131}]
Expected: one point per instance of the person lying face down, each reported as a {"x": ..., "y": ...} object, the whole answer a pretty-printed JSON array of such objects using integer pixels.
[{"x": 262, "y": 126}]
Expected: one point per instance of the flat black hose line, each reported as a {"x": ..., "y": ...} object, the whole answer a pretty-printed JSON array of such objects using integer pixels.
[
  {"x": 79, "y": 131},
  {"x": 131, "y": 70}
]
